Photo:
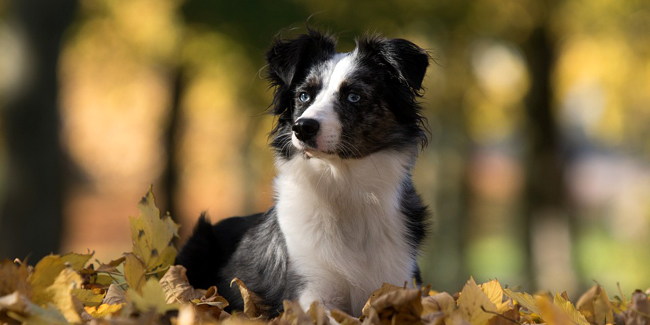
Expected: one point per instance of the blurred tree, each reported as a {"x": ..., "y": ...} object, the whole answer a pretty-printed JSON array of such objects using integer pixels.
[
  {"x": 546, "y": 208},
  {"x": 31, "y": 215}
]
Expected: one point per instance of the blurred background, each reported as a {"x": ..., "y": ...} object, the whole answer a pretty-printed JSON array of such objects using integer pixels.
[{"x": 537, "y": 172}]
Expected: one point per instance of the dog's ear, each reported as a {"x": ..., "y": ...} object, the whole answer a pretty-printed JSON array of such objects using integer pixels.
[
  {"x": 289, "y": 59},
  {"x": 408, "y": 61}
]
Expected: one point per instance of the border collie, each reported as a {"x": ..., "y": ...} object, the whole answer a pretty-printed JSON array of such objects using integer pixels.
[{"x": 346, "y": 216}]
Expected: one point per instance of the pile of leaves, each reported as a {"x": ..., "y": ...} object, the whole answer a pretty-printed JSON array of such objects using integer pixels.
[{"x": 144, "y": 287}]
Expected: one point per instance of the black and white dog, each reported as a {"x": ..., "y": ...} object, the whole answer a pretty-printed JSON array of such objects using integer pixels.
[{"x": 346, "y": 216}]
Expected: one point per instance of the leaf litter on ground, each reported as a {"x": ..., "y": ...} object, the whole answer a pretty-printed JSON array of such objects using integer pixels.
[{"x": 144, "y": 287}]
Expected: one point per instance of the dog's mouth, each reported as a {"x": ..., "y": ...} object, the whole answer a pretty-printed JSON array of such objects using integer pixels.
[{"x": 310, "y": 152}]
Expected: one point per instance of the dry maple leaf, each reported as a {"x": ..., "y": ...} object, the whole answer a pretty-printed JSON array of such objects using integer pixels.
[
  {"x": 441, "y": 302},
  {"x": 385, "y": 288},
  {"x": 177, "y": 287},
  {"x": 23, "y": 310},
  {"x": 639, "y": 309},
  {"x": 152, "y": 298},
  {"x": 114, "y": 296},
  {"x": 13, "y": 277},
  {"x": 474, "y": 306},
  {"x": 572, "y": 313},
  {"x": 61, "y": 292},
  {"x": 403, "y": 306},
  {"x": 494, "y": 292},
  {"x": 253, "y": 304},
  {"x": 134, "y": 272},
  {"x": 153, "y": 236},
  {"x": 46, "y": 271},
  {"x": 523, "y": 299},
  {"x": 595, "y": 306},
  {"x": 343, "y": 318}
]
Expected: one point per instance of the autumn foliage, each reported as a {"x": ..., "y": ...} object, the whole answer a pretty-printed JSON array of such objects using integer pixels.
[{"x": 143, "y": 287}]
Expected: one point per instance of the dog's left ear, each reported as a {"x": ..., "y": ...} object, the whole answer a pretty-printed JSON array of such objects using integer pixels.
[
  {"x": 408, "y": 60},
  {"x": 289, "y": 59}
]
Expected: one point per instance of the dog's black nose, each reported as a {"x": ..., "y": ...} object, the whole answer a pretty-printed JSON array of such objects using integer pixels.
[{"x": 305, "y": 128}]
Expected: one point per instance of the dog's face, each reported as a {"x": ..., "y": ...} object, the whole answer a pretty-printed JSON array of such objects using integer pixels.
[{"x": 346, "y": 105}]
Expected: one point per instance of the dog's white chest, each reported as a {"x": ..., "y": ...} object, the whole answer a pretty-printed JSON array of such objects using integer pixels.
[{"x": 344, "y": 230}]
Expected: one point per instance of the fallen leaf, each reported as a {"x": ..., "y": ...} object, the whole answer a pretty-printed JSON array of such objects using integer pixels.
[
  {"x": 153, "y": 236},
  {"x": 435, "y": 318},
  {"x": 23, "y": 310},
  {"x": 441, "y": 302},
  {"x": 88, "y": 297},
  {"x": 523, "y": 299},
  {"x": 114, "y": 296},
  {"x": 385, "y": 288},
  {"x": 343, "y": 318},
  {"x": 13, "y": 277},
  {"x": 186, "y": 315},
  {"x": 551, "y": 313},
  {"x": 294, "y": 315},
  {"x": 76, "y": 261},
  {"x": 494, "y": 292},
  {"x": 567, "y": 307},
  {"x": 403, "y": 306},
  {"x": 111, "y": 267},
  {"x": 104, "y": 310},
  {"x": 473, "y": 304},
  {"x": 253, "y": 304},
  {"x": 177, "y": 287},
  {"x": 211, "y": 303},
  {"x": 134, "y": 272},
  {"x": 61, "y": 293},
  {"x": 152, "y": 298},
  {"x": 639, "y": 311},
  {"x": 595, "y": 306},
  {"x": 509, "y": 317}
]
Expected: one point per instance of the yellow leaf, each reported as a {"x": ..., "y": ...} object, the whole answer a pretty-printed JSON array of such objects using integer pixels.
[
  {"x": 253, "y": 305},
  {"x": 48, "y": 268},
  {"x": 473, "y": 304},
  {"x": 494, "y": 292},
  {"x": 567, "y": 307},
  {"x": 152, "y": 236},
  {"x": 523, "y": 299},
  {"x": 76, "y": 261},
  {"x": 134, "y": 272},
  {"x": 103, "y": 310},
  {"x": 88, "y": 297},
  {"x": 61, "y": 293},
  {"x": 595, "y": 306},
  {"x": 23, "y": 310},
  {"x": 151, "y": 299}
]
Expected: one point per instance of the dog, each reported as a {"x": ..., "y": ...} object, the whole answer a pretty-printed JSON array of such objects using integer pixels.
[{"x": 346, "y": 217}]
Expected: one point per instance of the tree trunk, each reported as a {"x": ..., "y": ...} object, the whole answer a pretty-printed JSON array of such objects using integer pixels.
[{"x": 31, "y": 212}]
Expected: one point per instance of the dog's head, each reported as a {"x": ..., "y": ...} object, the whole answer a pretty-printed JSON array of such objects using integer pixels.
[{"x": 346, "y": 105}]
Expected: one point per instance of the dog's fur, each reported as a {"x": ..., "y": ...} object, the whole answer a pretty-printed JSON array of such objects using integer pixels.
[{"x": 346, "y": 215}]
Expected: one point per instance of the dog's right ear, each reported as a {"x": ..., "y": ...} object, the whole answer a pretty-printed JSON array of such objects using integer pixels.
[{"x": 289, "y": 60}]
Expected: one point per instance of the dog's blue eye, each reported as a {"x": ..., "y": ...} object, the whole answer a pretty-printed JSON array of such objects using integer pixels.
[
  {"x": 304, "y": 97},
  {"x": 353, "y": 98}
]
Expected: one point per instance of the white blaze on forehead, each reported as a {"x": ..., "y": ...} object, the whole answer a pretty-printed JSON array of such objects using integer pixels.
[{"x": 332, "y": 76}]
